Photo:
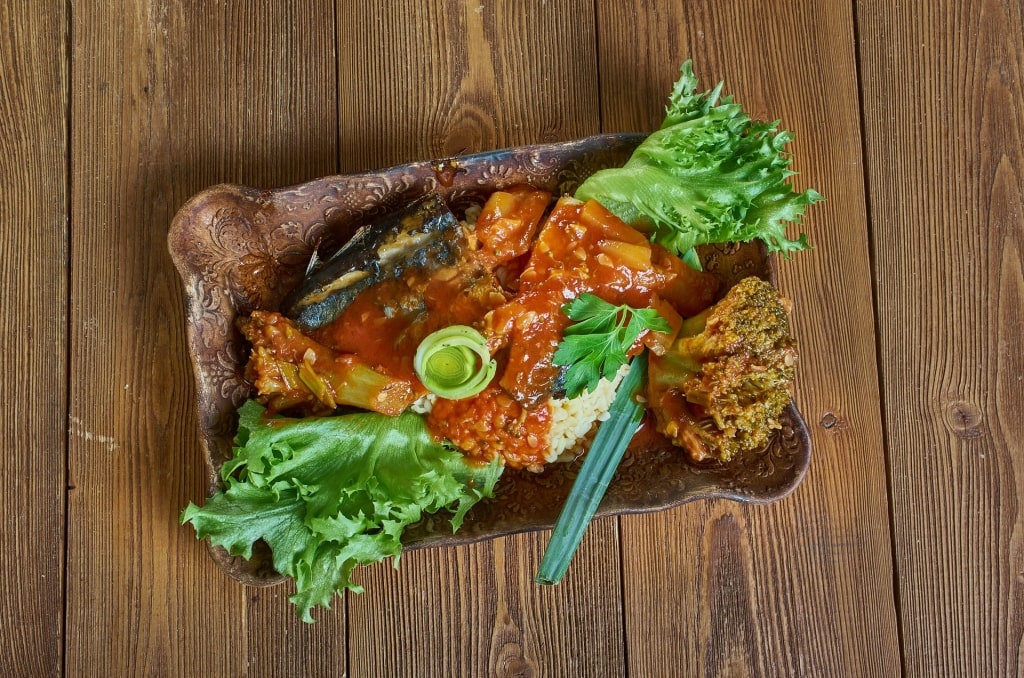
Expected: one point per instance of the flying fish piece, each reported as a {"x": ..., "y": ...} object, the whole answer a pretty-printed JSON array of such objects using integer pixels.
[{"x": 424, "y": 235}]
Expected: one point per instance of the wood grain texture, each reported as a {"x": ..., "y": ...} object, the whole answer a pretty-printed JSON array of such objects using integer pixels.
[
  {"x": 799, "y": 587},
  {"x": 33, "y": 296},
  {"x": 498, "y": 74},
  {"x": 423, "y": 80},
  {"x": 170, "y": 97},
  {"x": 474, "y": 610},
  {"x": 113, "y": 115},
  {"x": 944, "y": 125}
]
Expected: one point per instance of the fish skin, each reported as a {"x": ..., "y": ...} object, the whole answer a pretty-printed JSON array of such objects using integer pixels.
[{"x": 423, "y": 235}]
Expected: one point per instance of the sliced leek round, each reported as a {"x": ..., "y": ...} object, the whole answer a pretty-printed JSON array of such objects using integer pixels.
[{"x": 454, "y": 362}]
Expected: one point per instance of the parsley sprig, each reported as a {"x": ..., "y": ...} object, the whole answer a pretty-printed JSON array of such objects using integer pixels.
[{"x": 596, "y": 344}]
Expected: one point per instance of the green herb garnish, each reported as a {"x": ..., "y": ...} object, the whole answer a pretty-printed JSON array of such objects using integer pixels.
[{"x": 596, "y": 345}]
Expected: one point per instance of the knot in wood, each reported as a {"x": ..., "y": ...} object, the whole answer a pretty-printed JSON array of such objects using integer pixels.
[{"x": 964, "y": 419}]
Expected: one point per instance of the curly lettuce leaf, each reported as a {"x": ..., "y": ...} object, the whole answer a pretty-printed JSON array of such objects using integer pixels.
[
  {"x": 709, "y": 175},
  {"x": 330, "y": 493}
]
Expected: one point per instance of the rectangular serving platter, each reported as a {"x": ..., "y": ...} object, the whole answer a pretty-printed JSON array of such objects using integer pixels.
[{"x": 239, "y": 248}]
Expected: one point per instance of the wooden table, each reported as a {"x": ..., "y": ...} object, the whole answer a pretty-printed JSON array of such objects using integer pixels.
[{"x": 901, "y": 552}]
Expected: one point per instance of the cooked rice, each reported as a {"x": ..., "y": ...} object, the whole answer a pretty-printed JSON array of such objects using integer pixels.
[
  {"x": 472, "y": 214},
  {"x": 423, "y": 404},
  {"x": 572, "y": 420}
]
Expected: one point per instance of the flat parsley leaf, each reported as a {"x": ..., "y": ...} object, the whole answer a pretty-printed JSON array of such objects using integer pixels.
[{"x": 596, "y": 344}]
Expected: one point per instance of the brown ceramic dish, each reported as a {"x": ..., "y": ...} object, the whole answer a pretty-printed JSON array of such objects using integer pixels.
[{"x": 238, "y": 249}]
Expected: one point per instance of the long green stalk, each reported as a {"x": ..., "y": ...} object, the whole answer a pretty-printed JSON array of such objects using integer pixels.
[{"x": 599, "y": 466}]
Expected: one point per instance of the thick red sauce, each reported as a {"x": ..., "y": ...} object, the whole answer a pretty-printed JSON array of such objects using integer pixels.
[
  {"x": 581, "y": 248},
  {"x": 511, "y": 283},
  {"x": 385, "y": 324}
]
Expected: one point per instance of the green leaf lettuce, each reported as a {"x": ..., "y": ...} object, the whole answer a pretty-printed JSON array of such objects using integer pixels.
[
  {"x": 709, "y": 175},
  {"x": 330, "y": 493}
]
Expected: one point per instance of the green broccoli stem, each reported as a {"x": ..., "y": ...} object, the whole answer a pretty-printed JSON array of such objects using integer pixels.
[{"x": 694, "y": 325}]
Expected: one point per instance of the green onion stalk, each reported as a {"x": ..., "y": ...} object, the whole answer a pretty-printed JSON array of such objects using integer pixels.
[{"x": 595, "y": 475}]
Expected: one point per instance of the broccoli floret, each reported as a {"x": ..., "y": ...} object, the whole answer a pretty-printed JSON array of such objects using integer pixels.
[{"x": 721, "y": 387}]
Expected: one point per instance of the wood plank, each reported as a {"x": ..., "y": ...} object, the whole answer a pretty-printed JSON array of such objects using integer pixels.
[
  {"x": 944, "y": 125},
  {"x": 169, "y": 98},
  {"x": 428, "y": 79},
  {"x": 474, "y": 610},
  {"x": 801, "y": 587},
  {"x": 34, "y": 298}
]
